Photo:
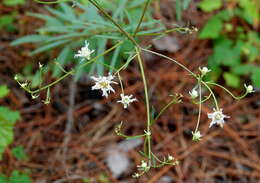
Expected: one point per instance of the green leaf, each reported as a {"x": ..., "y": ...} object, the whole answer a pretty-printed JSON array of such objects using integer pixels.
[
  {"x": 29, "y": 39},
  {"x": 64, "y": 56},
  {"x": 210, "y": 5},
  {"x": 255, "y": 77},
  {"x": 14, "y": 2},
  {"x": 4, "y": 91},
  {"x": 232, "y": 80},
  {"x": 212, "y": 29},
  {"x": 6, "y": 20},
  {"x": 19, "y": 153},
  {"x": 18, "y": 177},
  {"x": 242, "y": 69},
  {"x": 7, "y": 121},
  {"x": 49, "y": 46}
]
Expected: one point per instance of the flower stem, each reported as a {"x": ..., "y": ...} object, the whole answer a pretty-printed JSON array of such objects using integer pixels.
[
  {"x": 114, "y": 22},
  {"x": 148, "y": 130},
  {"x": 142, "y": 17}
]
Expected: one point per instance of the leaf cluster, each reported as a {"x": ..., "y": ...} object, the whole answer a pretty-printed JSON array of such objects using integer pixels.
[{"x": 235, "y": 48}]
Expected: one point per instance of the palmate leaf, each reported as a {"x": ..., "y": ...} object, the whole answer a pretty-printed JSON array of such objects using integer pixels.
[{"x": 7, "y": 121}]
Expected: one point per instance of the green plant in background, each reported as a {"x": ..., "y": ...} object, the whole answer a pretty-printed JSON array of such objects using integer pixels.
[
  {"x": 15, "y": 177},
  {"x": 236, "y": 48},
  {"x": 8, "y": 119},
  {"x": 67, "y": 27}
]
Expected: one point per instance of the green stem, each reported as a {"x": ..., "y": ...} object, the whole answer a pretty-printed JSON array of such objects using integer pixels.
[
  {"x": 198, "y": 122},
  {"x": 229, "y": 92},
  {"x": 141, "y": 18},
  {"x": 176, "y": 62},
  {"x": 213, "y": 95},
  {"x": 114, "y": 22},
  {"x": 50, "y": 2},
  {"x": 164, "y": 109},
  {"x": 148, "y": 137},
  {"x": 163, "y": 32}
]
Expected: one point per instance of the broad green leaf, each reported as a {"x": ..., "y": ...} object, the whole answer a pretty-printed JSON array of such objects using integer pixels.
[
  {"x": 232, "y": 80},
  {"x": 212, "y": 29},
  {"x": 3, "y": 91},
  {"x": 29, "y": 39},
  {"x": 242, "y": 69},
  {"x": 19, "y": 153},
  {"x": 7, "y": 121},
  {"x": 210, "y": 5},
  {"x": 18, "y": 177},
  {"x": 255, "y": 77}
]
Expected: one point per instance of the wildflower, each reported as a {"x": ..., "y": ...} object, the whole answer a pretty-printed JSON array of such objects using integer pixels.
[
  {"x": 204, "y": 70},
  {"x": 194, "y": 94},
  {"x": 196, "y": 136},
  {"x": 217, "y": 118},
  {"x": 249, "y": 88},
  {"x": 40, "y": 65},
  {"x": 170, "y": 158},
  {"x": 144, "y": 166},
  {"x": 136, "y": 175},
  {"x": 84, "y": 52},
  {"x": 126, "y": 100},
  {"x": 34, "y": 96},
  {"x": 148, "y": 133},
  {"x": 104, "y": 84},
  {"x": 16, "y": 77}
]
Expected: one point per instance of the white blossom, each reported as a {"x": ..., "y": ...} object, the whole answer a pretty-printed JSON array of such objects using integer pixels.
[
  {"x": 217, "y": 118},
  {"x": 170, "y": 158},
  {"x": 196, "y": 136},
  {"x": 249, "y": 88},
  {"x": 194, "y": 94},
  {"x": 103, "y": 83},
  {"x": 204, "y": 70},
  {"x": 126, "y": 100},
  {"x": 84, "y": 52},
  {"x": 143, "y": 165}
]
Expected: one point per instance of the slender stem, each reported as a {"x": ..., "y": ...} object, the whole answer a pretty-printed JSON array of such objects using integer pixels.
[
  {"x": 148, "y": 137},
  {"x": 164, "y": 109},
  {"x": 178, "y": 63},
  {"x": 229, "y": 92},
  {"x": 163, "y": 32},
  {"x": 142, "y": 17},
  {"x": 204, "y": 100},
  {"x": 198, "y": 122},
  {"x": 213, "y": 95},
  {"x": 114, "y": 22}
]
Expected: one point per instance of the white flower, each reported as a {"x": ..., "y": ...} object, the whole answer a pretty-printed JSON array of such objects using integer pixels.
[
  {"x": 217, "y": 118},
  {"x": 136, "y": 175},
  {"x": 103, "y": 83},
  {"x": 196, "y": 136},
  {"x": 204, "y": 70},
  {"x": 126, "y": 100},
  {"x": 40, "y": 65},
  {"x": 249, "y": 88},
  {"x": 170, "y": 158},
  {"x": 143, "y": 165},
  {"x": 84, "y": 52},
  {"x": 194, "y": 94}
]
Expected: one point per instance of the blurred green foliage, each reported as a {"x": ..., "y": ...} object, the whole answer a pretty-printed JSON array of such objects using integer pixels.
[
  {"x": 236, "y": 47},
  {"x": 19, "y": 153},
  {"x": 67, "y": 27},
  {"x": 7, "y": 122},
  {"x": 13, "y": 2},
  {"x": 15, "y": 177}
]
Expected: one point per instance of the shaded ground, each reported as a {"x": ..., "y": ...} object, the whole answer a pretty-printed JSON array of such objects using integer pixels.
[{"x": 225, "y": 155}]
